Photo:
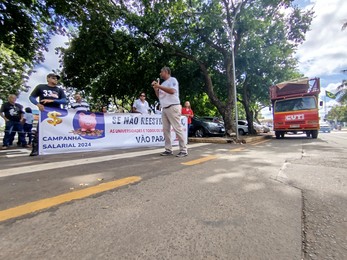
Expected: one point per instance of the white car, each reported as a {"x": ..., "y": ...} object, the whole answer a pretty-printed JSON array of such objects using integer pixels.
[{"x": 242, "y": 127}]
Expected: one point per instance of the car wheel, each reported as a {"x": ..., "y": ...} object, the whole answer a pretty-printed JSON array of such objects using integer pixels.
[
  {"x": 241, "y": 132},
  {"x": 199, "y": 132}
]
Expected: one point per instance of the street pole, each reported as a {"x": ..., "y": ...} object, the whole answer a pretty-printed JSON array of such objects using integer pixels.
[
  {"x": 234, "y": 71},
  {"x": 235, "y": 92},
  {"x": 325, "y": 107}
]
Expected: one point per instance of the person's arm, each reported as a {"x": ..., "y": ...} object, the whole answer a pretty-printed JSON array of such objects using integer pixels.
[
  {"x": 33, "y": 99},
  {"x": 157, "y": 86},
  {"x": 61, "y": 101},
  {"x": 165, "y": 89},
  {"x": 21, "y": 114},
  {"x": 25, "y": 118},
  {"x": 3, "y": 115},
  {"x": 134, "y": 109}
]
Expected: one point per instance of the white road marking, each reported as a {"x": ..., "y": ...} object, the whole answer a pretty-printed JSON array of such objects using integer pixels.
[
  {"x": 17, "y": 153},
  {"x": 49, "y": 166}
]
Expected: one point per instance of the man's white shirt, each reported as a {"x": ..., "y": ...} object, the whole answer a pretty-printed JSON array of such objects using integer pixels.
[{"x": 167, "y": 99}]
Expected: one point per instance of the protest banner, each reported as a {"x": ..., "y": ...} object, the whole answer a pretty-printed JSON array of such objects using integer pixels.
[{"x": 67, "y": 131}]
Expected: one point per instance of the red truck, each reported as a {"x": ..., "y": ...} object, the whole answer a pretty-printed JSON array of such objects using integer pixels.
[{"x": 295, "y": 107}]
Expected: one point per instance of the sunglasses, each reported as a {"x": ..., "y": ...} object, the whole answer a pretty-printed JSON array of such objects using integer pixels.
[{"x": 142, "y": 95}]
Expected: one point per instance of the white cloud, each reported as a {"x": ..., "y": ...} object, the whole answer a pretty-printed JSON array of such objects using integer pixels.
[{"x": 324, "y": 51}]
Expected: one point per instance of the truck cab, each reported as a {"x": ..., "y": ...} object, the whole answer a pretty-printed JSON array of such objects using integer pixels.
[{"x": 295, "y": 107}]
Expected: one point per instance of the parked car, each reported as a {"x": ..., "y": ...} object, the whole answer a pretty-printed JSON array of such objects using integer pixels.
[
  {"x": 266, "y": 129},
  {"x": 324, "y": 127},
  {"x": 204, "y": 126},
  {"x": 259, "y": 128},
  {"x": 242, "y": 124},
  {"x": 242, "y": 127}
]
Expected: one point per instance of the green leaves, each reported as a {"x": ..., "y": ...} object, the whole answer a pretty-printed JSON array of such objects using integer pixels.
[{"x": 12, "y": 70}]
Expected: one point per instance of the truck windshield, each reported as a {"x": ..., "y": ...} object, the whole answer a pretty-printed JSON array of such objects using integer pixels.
[{"x": 295, "y": 104}]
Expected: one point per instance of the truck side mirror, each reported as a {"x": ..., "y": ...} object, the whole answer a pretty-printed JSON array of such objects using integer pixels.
[{"x": 321, "y": 103}]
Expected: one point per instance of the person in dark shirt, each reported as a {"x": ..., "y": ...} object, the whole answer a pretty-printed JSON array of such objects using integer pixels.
[
  {"x": 50, "y": 95},
  {"x": 12, "y": 113}
]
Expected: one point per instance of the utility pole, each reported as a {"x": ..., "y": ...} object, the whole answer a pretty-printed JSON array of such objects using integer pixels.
[{"x": 234, "y": 70}]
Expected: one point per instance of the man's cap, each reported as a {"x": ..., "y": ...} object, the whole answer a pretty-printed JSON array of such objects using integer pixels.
[{"x": 53, "y": 75}]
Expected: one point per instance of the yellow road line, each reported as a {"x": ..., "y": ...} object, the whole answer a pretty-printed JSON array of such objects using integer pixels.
[
  {"x": 201, "y": 160},
  {"x": 57, "y": 200},
  {"x": 264, "y": 141}
]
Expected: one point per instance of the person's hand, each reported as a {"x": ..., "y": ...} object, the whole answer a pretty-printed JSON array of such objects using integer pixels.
[
  {"x": 40, "y": 107},
  {"x": 155, "y": 84},
  {"x": 45, "y": 101}
]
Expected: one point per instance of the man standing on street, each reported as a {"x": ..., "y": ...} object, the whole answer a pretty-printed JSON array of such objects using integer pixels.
[
  {"x": 168, "y": 94},
  {"x": 49, "y": 95},
  {"x": 80, "y": 104},
  {"x": 12, "y": 113}
]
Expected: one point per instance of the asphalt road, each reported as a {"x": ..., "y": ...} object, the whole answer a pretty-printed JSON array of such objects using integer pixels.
[{"x": 275, "y": 199}]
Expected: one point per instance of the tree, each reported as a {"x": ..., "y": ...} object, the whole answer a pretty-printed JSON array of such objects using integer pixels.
[
  {"x": 205, "y": 32},
  {"x": 26, "y": 28},
  {"x": 12, "y": 70},
  {"x": 338, "y": 113},
  {"x": 108, "y": 64}
]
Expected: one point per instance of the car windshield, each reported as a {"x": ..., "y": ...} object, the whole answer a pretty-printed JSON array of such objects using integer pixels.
[{"x": 296, "y": 104}]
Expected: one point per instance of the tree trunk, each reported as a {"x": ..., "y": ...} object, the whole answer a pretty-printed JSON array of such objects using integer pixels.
[
  {"x": 249, "y": 112},
  {"x": 224, "y": 109}
]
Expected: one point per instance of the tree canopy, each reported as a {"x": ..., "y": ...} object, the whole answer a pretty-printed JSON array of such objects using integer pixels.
[
  {"x": 199, "y": 36},
  {"x": 119, "y": 46}
]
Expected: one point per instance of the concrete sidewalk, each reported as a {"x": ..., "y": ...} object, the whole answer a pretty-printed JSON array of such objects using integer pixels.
[{"x": 226, "y": 140}]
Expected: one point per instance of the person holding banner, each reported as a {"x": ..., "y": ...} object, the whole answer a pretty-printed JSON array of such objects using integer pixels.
[
  {"x": 168, "y": 94},
  {"x": 49, "y": 95}
]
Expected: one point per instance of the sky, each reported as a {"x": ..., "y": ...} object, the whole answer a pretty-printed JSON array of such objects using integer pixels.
[{"x": 323, "y": 54}]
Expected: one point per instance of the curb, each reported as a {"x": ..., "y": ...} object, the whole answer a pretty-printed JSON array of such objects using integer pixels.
[{"x": 228, "y": 140}]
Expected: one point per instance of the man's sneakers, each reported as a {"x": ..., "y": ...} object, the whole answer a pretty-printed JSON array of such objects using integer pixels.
[
  {"x": 166, "y": 153},
  {"x": 4, "y": 147},
  {"x": 182, "y": 154}
]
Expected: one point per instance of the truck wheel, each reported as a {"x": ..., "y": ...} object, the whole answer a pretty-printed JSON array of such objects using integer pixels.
[
  {"x": 282, "y": 135},
  {"x": 308, "y": 134},
  {"x": 314, "y": 134},
  {"x": 278, "y": 134}
]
